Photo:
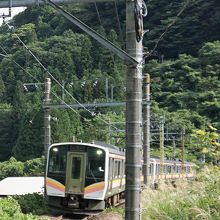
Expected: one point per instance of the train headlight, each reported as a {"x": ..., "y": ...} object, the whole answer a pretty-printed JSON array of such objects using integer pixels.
[
  {"x": 99, "y": 152},
  {"x": 55, "y": 149}
]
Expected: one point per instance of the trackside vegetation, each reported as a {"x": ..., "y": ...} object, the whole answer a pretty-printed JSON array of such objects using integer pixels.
[
  {"x": 10, "y": 210},
  {"x": 188, "y": 201},
  {"x": 194, "y": 200}
]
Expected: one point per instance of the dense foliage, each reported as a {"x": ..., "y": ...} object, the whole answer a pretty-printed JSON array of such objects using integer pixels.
[
  {"x": 10, "y": 210},
  {"x": 185, "y": 87},
  {"x": 32, "y": 203},
  {"x": 13, "y": 167}
]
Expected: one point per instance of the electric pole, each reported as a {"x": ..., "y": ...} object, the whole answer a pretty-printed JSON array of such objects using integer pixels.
[
  {"x": 146, "y": 128},
  {"x": 161, "y": 144},
  {"x": 133, "y": 115},
  {"x": 183, "y": 149},
  {"x": 47, "y": 128}
]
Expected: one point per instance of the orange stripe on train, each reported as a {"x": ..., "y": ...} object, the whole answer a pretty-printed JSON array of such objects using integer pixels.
[
  {"x": 95, "y": 187},
  {"x": 56, "y": 185}
]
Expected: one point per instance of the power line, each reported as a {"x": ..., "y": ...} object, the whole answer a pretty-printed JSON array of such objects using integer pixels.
[
  {"x": 168, "y": 27},
  {"x": 45, "y": 69},
  {"x": 118, "y": 21},
  {"x": 8, "y": 56}
]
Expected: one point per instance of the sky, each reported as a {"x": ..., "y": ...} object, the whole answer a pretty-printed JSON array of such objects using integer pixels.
[{"x": 14, "y": 11}]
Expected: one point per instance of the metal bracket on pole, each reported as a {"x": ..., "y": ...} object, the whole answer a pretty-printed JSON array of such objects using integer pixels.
[
  {"x": 26, "y": 3},
  {"x": 9, "y": 11},
  {"x": 106, "y": 43}
]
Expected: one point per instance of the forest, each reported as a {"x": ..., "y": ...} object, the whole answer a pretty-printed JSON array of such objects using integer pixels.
[{"x": 184, "y": 69}]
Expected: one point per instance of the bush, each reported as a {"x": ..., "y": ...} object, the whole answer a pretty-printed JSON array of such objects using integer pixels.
[
  {"x": 13, "y": 168},
  {"x": 10, "y": 168},
  {"x": 10, "y": 210},
  {"x": 32, "y": 203},
  {"x": 34, "y": 167}
]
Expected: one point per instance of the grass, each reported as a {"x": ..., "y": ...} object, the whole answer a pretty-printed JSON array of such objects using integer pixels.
[
  {"x": 189, "y": 201},
  {"x": 196, "y": 200}
]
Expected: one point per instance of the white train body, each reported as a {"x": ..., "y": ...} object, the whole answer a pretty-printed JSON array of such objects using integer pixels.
[{"x": 85, "y": 176}]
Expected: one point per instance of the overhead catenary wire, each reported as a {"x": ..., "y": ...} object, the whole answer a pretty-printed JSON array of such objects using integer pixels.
[
  {"x": 100, "y": 22},
  {"x": 97, "y": 11},
  {"x": 167, "y": 28},
  {"x": 60, "y": 84},
  {"x": 118, "y": 21},
  {"x": 9, "y": 57}
]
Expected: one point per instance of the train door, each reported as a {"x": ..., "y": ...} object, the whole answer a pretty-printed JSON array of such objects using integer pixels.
[{"x": 75, "y": 179}]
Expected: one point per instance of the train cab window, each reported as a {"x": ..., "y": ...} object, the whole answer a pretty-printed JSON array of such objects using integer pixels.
[
  {"x": 95, "y": 171},
  {"x": 57, "y": 160}
]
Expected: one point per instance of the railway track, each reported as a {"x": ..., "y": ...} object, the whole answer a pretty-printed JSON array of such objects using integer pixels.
[{"x": 98, "y": 216}]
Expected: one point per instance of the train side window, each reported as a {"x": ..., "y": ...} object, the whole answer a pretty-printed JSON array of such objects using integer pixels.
[
  {"x": 123, "y": 169},
  {"x": 116, "y": 169},
  {"x": 110, "y": 169},
  {"x": 158, "y": 168},
  {"x": 166, "y": 169},
  {"x": 119, "y": 168},
  {"x": 170, "y": 169}
]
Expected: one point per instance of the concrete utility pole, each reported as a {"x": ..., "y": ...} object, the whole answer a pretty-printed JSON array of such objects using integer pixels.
[
  {"x": 146, "y": 128},
  {"x": 133, "y": 116},
  {"x": 183, "y": 149},
  {"x": 106, "y": 89},
  {"x": 47, "y": 128},
  {"x": 161, "y": 144},
  {"x": 174, "y": 148},
  {"x": 63, "y": 91}
]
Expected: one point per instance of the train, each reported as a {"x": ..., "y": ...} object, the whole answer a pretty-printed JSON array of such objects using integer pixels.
[{"x": 84, "y": 177}]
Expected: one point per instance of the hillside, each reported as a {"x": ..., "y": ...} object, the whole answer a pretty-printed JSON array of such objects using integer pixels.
[{"x": 185, "y": 86}]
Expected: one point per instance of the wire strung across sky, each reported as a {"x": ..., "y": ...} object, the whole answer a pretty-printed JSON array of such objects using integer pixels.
[
  {"x": 6, "y": 55},
  {"x": 167, "y": 28},
  {"x": 60, "y": 84}
]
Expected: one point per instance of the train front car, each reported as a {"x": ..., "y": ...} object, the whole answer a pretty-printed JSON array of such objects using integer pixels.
[{"x": 76, "y": 178}]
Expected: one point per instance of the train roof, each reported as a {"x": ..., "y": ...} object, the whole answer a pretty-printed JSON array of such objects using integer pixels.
[{"x": 111, "y": 148}]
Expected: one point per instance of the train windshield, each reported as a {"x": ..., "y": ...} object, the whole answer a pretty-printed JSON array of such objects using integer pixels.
[
  {"x": 57, "y": 160},
  {"x": 94, "y": 163},
  {"x": 95, "y": 171}
]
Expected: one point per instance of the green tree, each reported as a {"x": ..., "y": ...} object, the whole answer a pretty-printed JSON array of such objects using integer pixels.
[
  {"x": 206, "y": 142},
  {"x": 11, "y": 168}
]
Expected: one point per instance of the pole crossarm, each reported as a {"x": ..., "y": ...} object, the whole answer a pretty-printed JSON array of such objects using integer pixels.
[
  {"x": 87, "y": 105},
  {"x": 25, "y": 3},
  {"x": 92, "y": 33}
]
